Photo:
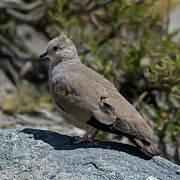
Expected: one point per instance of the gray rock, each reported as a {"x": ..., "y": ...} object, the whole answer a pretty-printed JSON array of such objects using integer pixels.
[
  {"x": 5, "y": 84},
  {"x": 33, "y": 41},
  {"x": 174, "y": 23},
  {"x": 40, "y": 154}
]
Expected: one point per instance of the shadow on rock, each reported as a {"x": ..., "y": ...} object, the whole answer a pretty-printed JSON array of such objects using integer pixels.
[{"x": 64, "y": 142}]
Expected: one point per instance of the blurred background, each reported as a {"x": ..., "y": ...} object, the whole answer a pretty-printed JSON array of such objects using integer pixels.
[{"x": 133, "y": 43}]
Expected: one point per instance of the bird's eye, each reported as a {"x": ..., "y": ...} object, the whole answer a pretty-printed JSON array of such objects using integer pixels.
[{"x": 55, "y": 48}]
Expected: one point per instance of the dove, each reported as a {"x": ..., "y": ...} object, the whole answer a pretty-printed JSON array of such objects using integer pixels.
[{"x": 88, "y": 101}]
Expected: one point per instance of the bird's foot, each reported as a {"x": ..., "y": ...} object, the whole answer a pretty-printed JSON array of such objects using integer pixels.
[
  {"x": 81, "y": 139},
  {"x": 89, "y": 136}
]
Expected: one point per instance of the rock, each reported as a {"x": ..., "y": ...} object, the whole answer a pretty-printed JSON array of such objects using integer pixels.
[
  {"x": 46, "y": 121},
  {"x": 5, "y": 84},
  {"x": 174, "y": 23},
  {"x": 33, "y": 41},
  {"x": 40, "y": 154}
]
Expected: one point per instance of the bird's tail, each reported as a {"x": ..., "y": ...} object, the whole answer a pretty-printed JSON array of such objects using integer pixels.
[{"x": 146, "y": 147}]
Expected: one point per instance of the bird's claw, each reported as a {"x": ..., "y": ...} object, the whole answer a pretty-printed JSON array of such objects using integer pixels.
[{"x": 78, "y": 139}]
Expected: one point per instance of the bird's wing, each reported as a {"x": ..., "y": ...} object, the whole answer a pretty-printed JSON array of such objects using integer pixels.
[
  {"x": 128, "y": 120},
  {"x": 77, "y": 91},
  {"x": 83, "y": 91}
]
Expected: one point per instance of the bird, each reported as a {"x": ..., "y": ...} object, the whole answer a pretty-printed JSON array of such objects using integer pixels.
[{"x": 87, "y": 100}]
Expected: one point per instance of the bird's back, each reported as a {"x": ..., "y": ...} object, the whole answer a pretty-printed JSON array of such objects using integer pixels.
[{"x": 95, "y": 94}]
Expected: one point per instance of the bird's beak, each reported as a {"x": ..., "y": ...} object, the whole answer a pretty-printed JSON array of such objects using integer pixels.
[{"x": 43, "y": 54}]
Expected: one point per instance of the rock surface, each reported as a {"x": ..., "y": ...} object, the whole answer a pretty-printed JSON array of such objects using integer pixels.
[{"x": 40, "y": 154}]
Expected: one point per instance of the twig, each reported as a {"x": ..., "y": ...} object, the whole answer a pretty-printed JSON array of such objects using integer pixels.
[
  {"x": 95, "y": 22},
  {"x": 88, "y": 10},
  {"x": 140, "y": 98},
  {"x": 20, "y": 5},
  {"x": 168, "y": 8}
]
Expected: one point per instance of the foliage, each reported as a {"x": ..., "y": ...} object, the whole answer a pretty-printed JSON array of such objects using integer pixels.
[{"x": 128, "y": 45}]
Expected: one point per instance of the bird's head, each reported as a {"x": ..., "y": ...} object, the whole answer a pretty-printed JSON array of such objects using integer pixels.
[{"x": 60, "y": 49}]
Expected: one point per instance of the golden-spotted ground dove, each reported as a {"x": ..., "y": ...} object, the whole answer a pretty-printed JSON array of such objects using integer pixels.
[{"x": 89, "y": 101}]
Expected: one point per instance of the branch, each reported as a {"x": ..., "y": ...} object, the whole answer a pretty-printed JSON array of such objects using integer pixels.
[
  {"x": 100, "y": 5},
  {"x": 20, "y": 5},
  {"x": 26, "y": 18},
  {"x": 12, "y": 48},
  {"x": 88, "y": 10},
  {"x": 167, "y": 16},
  {"x": 7, "y": 66}
]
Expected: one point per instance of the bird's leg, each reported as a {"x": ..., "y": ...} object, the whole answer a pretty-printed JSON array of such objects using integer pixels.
[
  {"x": 94, "y": 134},
  {"x": 86, "y": 136}
]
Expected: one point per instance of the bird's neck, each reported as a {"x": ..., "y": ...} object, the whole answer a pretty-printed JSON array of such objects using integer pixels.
[{"x": 63, "y": 61}]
